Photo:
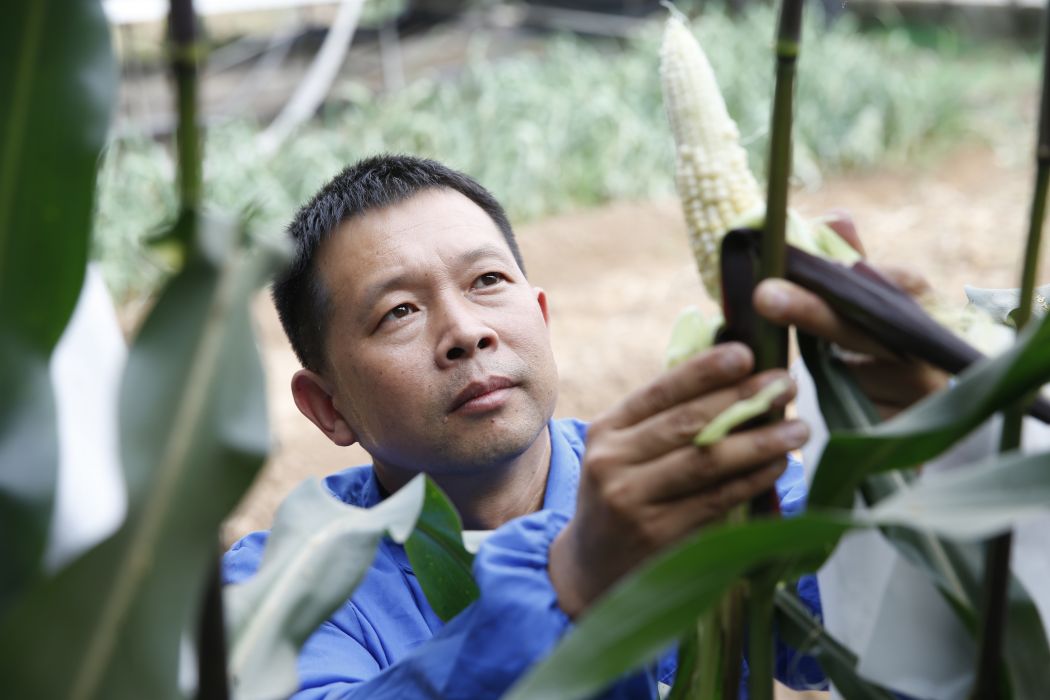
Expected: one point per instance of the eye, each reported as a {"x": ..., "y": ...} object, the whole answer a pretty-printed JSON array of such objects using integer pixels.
[
  {"x": 397, "y": 313},
  {"x": 489, "y": 279}
]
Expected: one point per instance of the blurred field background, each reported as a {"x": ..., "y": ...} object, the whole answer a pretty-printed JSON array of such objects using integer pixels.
[{"x": 921, "y": 129}]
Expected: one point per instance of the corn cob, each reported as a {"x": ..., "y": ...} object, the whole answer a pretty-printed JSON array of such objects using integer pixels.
[
  {"x": 719, "y": 192},
  {"x": 715, "y": 184}
]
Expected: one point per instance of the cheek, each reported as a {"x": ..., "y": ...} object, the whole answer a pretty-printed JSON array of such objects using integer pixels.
[{"x": 392, "y": 381}]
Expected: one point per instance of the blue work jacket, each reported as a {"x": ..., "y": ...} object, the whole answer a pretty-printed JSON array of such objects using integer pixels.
[{"x": 386, "y": 643}]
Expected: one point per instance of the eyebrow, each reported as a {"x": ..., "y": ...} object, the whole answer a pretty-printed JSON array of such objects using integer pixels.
[{"x": 374, "y": 292}]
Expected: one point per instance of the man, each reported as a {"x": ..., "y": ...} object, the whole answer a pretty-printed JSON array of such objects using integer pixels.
[{"x": 422, "y": 340}]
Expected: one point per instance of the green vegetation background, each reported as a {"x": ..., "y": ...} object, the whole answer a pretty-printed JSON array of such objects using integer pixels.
[{"x": 583, "y": 124}]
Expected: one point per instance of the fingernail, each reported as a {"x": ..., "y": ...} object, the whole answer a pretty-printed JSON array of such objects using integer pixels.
[
  {"x": 734, "y": 357},
  {"x": 794, "y": 433}
]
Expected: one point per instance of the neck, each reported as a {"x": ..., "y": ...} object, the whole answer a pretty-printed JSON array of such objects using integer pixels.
[{"x": 487, "y": 498}]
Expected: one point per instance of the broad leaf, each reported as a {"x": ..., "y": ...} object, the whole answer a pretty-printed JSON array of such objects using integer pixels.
[
  {"x": 686, "y": 684},
  {"x": 845, "y": 407},
  {"x": 805, "y": 633},
  {"x": 842, "y": 404},
  {"x": 29, "y": 455},
  {"x": 692, "y": 333},
  {"x": 931, "y": 426},
  {"x": 440, "y": 561},
  {"x": 318, "y": 552},
  {"x": 955, "y": 567},
  {"x": 193, "y": 411},
  {"x": 972, "y": 502},
  {"x": 1025, "y": 645},
  {"x": 654, "y": 606},
  {"x": 58, "y": 79},
  {"x": 58, "y": 82}
]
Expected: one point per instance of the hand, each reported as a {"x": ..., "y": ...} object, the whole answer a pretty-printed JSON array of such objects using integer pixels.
[
  {"x": 892, "y": 382},
  {"x": 645, "y": 485}
]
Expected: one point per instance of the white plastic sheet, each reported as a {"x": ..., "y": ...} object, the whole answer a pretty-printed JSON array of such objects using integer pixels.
[{"x": 86, "y": 366}]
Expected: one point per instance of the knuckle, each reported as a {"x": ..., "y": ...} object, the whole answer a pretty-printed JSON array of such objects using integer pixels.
[
  {"x": 656, "y": 397},
  {"x": 598, "y": 428},
  {"x": 720, "y": 500},
  {"x": 761, "y": 443},
  {"x": 651, "y": 534},
  {"x": 619, "y": 497},
  {"x": 599, "y": 460},
  {"x": 764, "y": 478},
  {"x": 684, "y": 424},
  {"x": 705, "y": 459}
]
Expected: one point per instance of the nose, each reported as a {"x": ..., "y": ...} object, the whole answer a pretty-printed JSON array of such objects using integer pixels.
[{"x": 463, "y": 334}]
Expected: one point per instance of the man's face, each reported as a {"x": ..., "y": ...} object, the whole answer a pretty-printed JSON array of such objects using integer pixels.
[{"x": 439, "y": 356}]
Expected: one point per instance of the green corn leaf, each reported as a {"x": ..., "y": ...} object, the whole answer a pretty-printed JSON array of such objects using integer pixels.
[
  {"x": 845, "y": 407},
  {"x": 29, "y": 455},
  {"x": 194, "y": 432},
  {"x": 692, "y": 333},
  {"x": 931, "y": 426},
  {"x": 58, "y": 78},
  {"x": 842, "y": 404},
  {"x": 687, "y": 682},
  {"x": 440, "y": 561},
  {"x": 653, "y": 607},
  {"x": 805, "y": 633},
  {"x": 58, "y": 82},
  {"x": 974, "y": 501},
  {"x": 740, "y": 412},
  {"x": 955, "y": 567},
  {"x": 318, "y": 552}
]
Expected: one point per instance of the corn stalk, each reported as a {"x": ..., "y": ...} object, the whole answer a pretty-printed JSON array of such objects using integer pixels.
[
  {"x": 186, "y": 50},
  {"x": 185, "y": 55},
  {"x": 771, "y": 341}
]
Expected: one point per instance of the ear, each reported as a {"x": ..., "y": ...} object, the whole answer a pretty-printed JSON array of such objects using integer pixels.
[
  {"x": 541, "y": 299},
  {"x": 313, "y": 397}
]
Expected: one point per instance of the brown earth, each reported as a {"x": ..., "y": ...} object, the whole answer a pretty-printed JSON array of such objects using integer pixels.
[{"x": 617, "y": 276}]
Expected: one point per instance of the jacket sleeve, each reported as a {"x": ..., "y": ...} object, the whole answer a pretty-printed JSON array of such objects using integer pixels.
[{"x": 479, "y": 654}]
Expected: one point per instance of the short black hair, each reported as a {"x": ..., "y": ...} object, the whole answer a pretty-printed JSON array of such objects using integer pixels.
[{"x": 303, "y": 304}]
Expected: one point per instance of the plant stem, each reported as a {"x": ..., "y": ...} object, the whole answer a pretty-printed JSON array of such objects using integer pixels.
[
  {"x": 771, "y": 349},
  {"x": 211, "y": 640},
  {"x": 182, "y": 27},
  {"x": 760, "y": 636},
  {"x": 732, "y": 617},
  {"x": 997, "y": 551},
  {"x": 185, "y": 52},
  {"x": 772, "y": 340}
]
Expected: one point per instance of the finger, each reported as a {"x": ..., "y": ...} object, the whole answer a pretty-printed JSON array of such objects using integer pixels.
[
  {"x": 907, "y": 279},
  {"x": 841, "y": 223},
  {"x": 713, "y": 369},
  {"x": 689, "y": 470},
  {"x": 785, "y": 304},
  {"x": 681, "y": 517},
  {"x": 895, "y": 385},
  {"x": 677, "y": 426}
]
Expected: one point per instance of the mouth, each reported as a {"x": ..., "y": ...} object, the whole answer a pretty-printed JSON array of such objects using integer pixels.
[{"x": 482, "y": 396}]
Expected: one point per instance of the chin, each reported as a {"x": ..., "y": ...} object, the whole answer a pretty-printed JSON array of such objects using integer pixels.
[{"x": 487, "y": 449}]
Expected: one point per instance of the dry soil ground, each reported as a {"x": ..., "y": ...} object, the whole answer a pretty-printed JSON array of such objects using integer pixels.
[{"x": 617, "y": 276}]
